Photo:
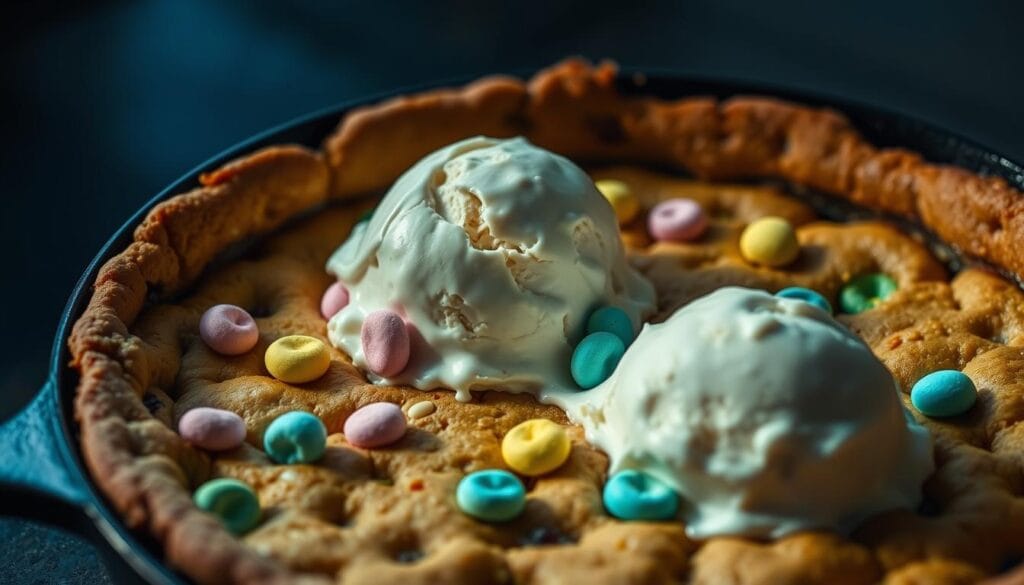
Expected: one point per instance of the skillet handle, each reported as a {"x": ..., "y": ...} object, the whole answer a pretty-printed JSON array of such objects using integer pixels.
[
  {"x": 36, "y": 478},
  {"x": 38, "y": 481}
]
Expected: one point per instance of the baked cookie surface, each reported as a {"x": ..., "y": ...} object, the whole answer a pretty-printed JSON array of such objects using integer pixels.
[{"x": 389, "y": 515}]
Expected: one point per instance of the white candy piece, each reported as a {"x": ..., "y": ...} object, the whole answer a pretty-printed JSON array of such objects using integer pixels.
[{"x": 421, "y": 409}]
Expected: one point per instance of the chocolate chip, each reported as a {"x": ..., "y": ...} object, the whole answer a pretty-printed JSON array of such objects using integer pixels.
[
  {"x": 152, "y": 402},
  {"x": 408, "y": 556},
  {"x": 545, "y": 535},
  {"x": 260, "y": 311}
]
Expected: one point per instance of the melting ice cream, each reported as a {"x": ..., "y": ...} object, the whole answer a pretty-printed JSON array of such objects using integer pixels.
[
  {"x": 765, "y": 414},
  {"x": 495, "y": 251}
]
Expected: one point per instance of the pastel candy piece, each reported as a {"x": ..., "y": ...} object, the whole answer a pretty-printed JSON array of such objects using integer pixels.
[
  {"x": 297, "y": 359},
  {"x": 422, "y": 409},
  {"x": 375, "y": 425},
  {"x": 492, "y": 495},
  {"x": 212, "y": 429},
  {"x": 677, "y": 220},
  {"x": 944, "y": 393},
  {"x": 295, "y": 437},
  {"x": 621, "y": 198},
  {"x": 769, "y": 241},
  {"x": 595, "y": 358},
  {"x": 230, "y": 500},
  {"x": 335, "y": 299},
  {"x": 865, "y": 292},
  {"x": 635, "y": 495},
  {"x": 611, "y": 320},
  {"x": 385, "y": 341},
  {"x": 535, "y": 447},
  {"x": 807, "y": 295},
  {"x": 228, "y": 330}
]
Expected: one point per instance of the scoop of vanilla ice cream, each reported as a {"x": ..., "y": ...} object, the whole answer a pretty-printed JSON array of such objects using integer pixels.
[
  {"x": 495, "y": 251},
  {"x": 765, "y": 414}
]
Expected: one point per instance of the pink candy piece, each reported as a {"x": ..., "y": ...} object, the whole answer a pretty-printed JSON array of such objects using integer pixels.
[
  {"x": 677, "y": 220},
  {"x": 375, "y": 425},
  {"x": 212, "y": 429},
  {"x": 228, "y": 329},
  {"x": 335, "y": 299},
  {"x": 385, "y": 342}
]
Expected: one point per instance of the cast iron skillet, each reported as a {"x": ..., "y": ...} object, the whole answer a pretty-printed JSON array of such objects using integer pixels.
[{"x": 42, "y": 475}]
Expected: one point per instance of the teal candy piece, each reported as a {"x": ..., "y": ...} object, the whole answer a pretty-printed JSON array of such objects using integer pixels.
[
  {"x": 943, "y": 393},
  {"x": 611, "y": 320},
  {"x": 807, "y": 295},
  {"x": 595, "y": 358},
  {"x": 492, "y": 495},
  {"x": 865, "y": 291},
  {"x": 635, "y": 495},
  {"x": 295, "y": 437},
  {"x": 230, "y": 500}
]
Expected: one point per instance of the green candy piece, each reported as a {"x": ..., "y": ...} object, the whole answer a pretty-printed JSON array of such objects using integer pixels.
[
  {"x": 611, "y": 320},
  {"x": 232, "y": 501},
  {"x": 864, "y": 292},
  {"x": 595, "y": 358}
]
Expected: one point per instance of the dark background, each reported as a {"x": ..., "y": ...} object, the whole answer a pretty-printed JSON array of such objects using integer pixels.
[{"x": 106, "y": 102}]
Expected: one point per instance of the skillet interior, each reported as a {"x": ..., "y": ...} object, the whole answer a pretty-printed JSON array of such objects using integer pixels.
[{"x": 878, "y": 127}]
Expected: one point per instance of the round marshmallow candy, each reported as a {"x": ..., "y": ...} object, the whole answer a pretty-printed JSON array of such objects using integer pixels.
[
  {"x": 865, "y": 292},
  {"x": 228, "y": 330},
  {"x": 231, "y": 501},
  {"x": 677, "y": 220},
  {"x": 375, "y": 425},
  {"x": 491, "y": 495},
  {"x": 385, "y": 341},
  {"x": 212, "y": 429},
  {"x": 635, "y": 495},
  {"x": 295, "y": 437},
  {"x": 944, "y": 393},
  {"x": 297, "y": 359},
  {"x": 536, "y": 446},
  {"x": 335, "y": 299},
  {"x": 769, "y": 241},
  {"x": 595, "y": 358},
  {"x": 611, "y": 320},
  {"x": 621, "y": 198}
]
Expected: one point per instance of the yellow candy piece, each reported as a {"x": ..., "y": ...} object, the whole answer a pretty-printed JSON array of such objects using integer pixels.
[
  {"x": 535, "y": 447},
  {"x": 621, "y": 197},
  {"x": 297, "y": 359},
  {"x": 769, "y": 241}
]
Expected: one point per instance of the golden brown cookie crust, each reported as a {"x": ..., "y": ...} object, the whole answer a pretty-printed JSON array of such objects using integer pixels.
[
  {"x": 140, "y": 463},
  {"x": 575, "y": 110}
]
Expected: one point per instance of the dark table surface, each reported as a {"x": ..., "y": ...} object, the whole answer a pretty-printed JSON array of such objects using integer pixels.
[{"x": 106, "y": 102}]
